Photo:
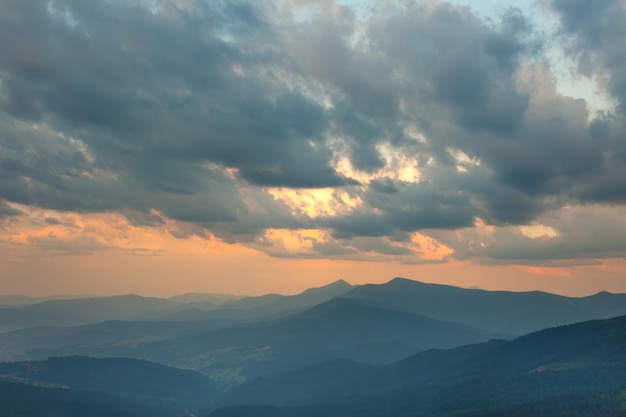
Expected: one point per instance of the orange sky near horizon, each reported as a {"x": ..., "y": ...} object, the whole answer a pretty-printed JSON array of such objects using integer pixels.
[
  {"x": 167, "y": 147},
  {"x": 257, "y": 274},
  {"x": 103, "y": 254}
]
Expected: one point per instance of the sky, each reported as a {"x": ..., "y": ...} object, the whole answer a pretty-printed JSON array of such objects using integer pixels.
[{"x": 168, "y": 146}]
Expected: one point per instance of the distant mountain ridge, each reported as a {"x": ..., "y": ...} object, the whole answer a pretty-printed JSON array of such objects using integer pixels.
[
  {"x": 80, "y": 311},
  {"x": 261, "y": 307},
  {"x": 342, "y": 378},
  {"x": 492, "y": 311},
  {"x": 257, "y": 336},
  {"x": 403, "y": 348},
  {"x": 573, "y": 370},
  {"x": 198, "y": 297},
  {"x": 84, "y": 310},
  {"x": 23, "y": 400},
  {"x": 276, "y": 302},
  {"x": 338, "y": 328},
  {"x": 12, "y": 300},
  {"x": 504, "y": 312},
  {"x": 142, "y": 382}
]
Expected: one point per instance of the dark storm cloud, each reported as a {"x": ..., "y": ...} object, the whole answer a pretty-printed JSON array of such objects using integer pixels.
[
  {"x": 153, "y": 97},
  {"x": 189, "y": 110},
  {"x": 357, "y": 223},
  {"x": 151, "y": 90},
  {"x": 385, "y": 186},
  {"x": 379, "y": 246},
  {"x": 333, "y": 249},
  {"x": 422, "y": 206},
  {"x": 599, "y": 40},
  {"x": 466, "y": 72},
  {"x": 411, "y": 208},
  {"x": 575, "y": 236},
  {"x": 7, "y": 211}
]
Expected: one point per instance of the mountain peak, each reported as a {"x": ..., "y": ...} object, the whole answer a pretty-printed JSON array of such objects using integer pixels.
[
  {"x": 335, "y": 286},
  {"x": 339, "y": 283},
  {"x": 399, "y": 281},
  {"x": 406, "y": 282}
]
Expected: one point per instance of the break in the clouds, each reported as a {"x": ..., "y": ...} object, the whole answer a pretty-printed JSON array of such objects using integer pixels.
[{"x": 414, "y": 132}]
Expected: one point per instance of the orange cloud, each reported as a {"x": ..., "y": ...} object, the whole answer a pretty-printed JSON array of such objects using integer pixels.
[
  {"x": 41, "y": 231},
  {"x": 539, "y": 270},
  {"x": 429, "y": 248},
  {"x": 316, "y": 202}
]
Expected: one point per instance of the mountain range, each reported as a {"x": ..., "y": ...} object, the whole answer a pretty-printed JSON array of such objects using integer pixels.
[
  {"x": 506, "y": 312},
  {"x": 578, "y": 369},
  {"x": 186, "y": 307},
  {"x": 145, "y": 383},
  {"x": 400, "y": 348}
]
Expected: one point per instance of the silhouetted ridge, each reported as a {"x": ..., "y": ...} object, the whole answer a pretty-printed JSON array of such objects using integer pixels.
[
  {"x": 85, "y": 310},
  {"x": 340, "y": 284},
  {"x": 22, "y": 400},
  {"x": 502, "y": 312},
  {"x": 275, "y": 303},
  {"x": 330, "y": 381},
  {"x": 140, "y": 381},
  {"x": 574, "y": 370}
]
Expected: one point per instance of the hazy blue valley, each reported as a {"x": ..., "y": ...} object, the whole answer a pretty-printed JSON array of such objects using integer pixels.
[{"x": 403, "y": 348}]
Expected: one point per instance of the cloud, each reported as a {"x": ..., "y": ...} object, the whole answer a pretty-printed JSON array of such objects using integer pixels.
[
  {"x": 7, "y": 211},
  {"x": 568, "y": 236},
  {"x": 50, "y": 245},
  {"x": 597, "y": 41},
  {"x": 231, "y": 120}
]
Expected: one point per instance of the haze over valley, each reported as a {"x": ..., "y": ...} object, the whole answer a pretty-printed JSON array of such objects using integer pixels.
[{"x": 377, "y": 349}]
